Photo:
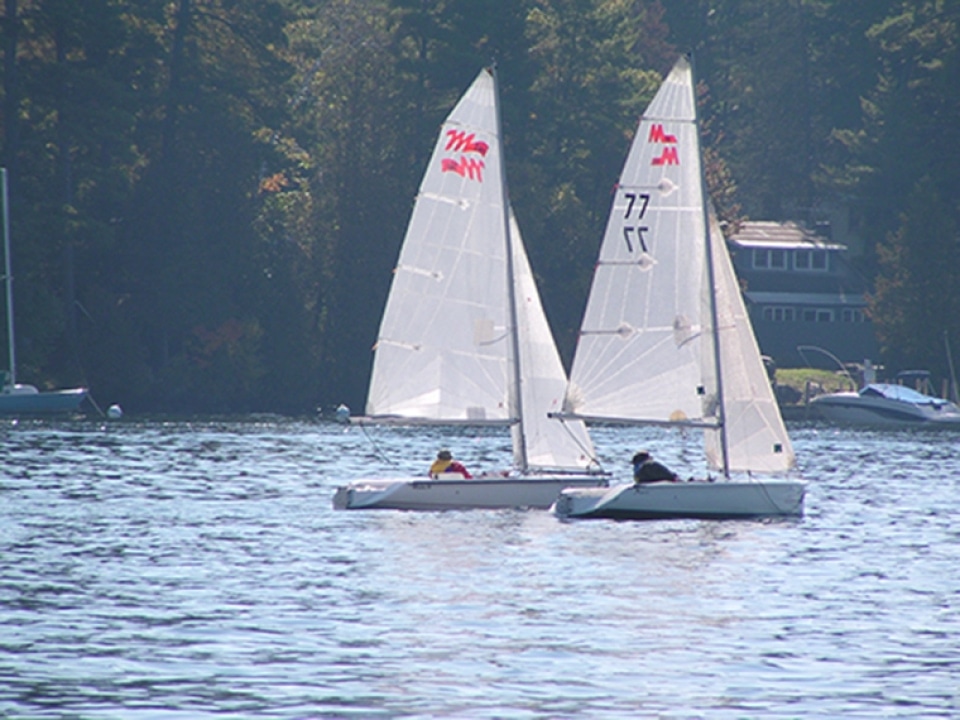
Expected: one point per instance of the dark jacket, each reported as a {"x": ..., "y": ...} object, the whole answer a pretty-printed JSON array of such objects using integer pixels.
[{"x": 651, "y": 471}]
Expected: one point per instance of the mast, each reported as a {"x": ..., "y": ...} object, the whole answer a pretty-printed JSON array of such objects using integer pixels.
[
  {"x": 514, "y": 355},
  {"x": 711, "y": 279},
  {"x": 953, "y": 375},
  {"x": 8, "y": 276}
]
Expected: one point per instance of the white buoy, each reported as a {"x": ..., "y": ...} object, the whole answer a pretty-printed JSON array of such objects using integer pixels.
[{"x": 114, "y": 412}]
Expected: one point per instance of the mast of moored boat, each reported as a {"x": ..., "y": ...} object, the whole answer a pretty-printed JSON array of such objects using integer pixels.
[
  {"x": 711, "y": 279},
  {"x": 953, "y": 376},
  {"x": 514, "y": 354},
  {"x": 8, "y": 278}
]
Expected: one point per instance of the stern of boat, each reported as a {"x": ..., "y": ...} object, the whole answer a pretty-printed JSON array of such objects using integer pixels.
[{"x": 341, "y": 498}]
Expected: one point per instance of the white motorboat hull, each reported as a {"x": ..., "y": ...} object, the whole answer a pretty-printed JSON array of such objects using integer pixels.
[
  {"x": 490, "y": 492},
  {"x": 699, "y": 499},
  {"x": 850, "y": 408}
]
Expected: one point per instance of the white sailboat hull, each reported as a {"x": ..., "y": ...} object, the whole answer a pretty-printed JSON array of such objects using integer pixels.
[
  {"x": 492, "y": 492},
  {"x": 14, "y": 401},
  {"x": 697, "y": 499}
]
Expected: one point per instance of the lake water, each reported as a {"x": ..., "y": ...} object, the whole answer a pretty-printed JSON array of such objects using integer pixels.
[{"x": 160, "y": 570}]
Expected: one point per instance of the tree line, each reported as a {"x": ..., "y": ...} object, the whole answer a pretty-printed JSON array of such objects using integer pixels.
[{"x": 208, "y": 196}]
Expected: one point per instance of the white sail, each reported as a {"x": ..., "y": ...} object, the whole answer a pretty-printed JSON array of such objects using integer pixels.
[
  {"x": 639, "y": 351},
  {"x": 443, "y": 344},
  {"x": 647, "y": 349},
  {"x": 756, "y": 438},
  {"x": 447, "y": 351},
  {"x": 549, "y": 443}
]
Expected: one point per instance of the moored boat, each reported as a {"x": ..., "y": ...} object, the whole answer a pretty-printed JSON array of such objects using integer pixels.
[
  {"x": 19, "y": 398},
  {"x": 886, "y": 404}
]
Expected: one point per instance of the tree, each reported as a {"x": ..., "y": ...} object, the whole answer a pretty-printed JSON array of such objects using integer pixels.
[
  {"x": 911, "y": 114},
  {"x": 596, "y": 64},
  {"x": 905, "y": 181},
  {"x": 916, "y": 300},
  {"x": 189, "y": 243},
  {"x": 353, "y": 179},
  {"x": 67, "y": 115}
]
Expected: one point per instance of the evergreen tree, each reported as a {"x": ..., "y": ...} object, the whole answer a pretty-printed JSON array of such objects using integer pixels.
[
  {"x": 597, "y": 63},
  {"x": 916, "y": 299}
]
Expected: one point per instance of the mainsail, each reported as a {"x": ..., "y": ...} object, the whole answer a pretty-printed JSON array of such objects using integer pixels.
[
  {"x": 647, "y": 351},
  {"x": 442, "y": 349}
]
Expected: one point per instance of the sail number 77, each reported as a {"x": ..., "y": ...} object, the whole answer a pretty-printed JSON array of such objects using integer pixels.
[{"x": 638, "y": 202}]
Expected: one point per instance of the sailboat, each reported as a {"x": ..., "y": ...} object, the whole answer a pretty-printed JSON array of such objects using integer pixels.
[
  {"x": 464, "y": 339},
  {"x": 17, "y": 398},
  {"x": 666, "y": 339}
]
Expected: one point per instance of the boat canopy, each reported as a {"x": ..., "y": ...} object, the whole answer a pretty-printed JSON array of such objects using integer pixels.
[{"x": 901, "y": 393}]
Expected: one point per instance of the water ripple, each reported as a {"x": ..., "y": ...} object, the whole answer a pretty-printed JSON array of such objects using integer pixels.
[{"x": 163, "y": 570}]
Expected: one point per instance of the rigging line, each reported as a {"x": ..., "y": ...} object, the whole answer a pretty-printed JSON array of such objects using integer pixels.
[
  {"x": 765, "y": 491},
  {"x": 586, "y": 451},
  {"x": 376, "y": 447},
  {"x": 94, "y": 403}
]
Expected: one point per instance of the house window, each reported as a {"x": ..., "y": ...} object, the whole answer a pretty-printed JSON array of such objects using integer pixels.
[
  {"x": 817, "y": 315},
  {"x": 810, "y": 260},
  {"x": 767, "y": 259},
  {"x": 778, "y": 314},
  {"x": 852, "y": 315}
]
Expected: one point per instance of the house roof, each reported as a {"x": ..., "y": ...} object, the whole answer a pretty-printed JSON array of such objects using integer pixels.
[{"x": 773, "y": 234}]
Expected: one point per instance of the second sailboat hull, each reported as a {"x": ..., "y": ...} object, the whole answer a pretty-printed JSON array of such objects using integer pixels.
[
  {"x": 493, "y": 492},
  {"x": 698, "y": 499}
]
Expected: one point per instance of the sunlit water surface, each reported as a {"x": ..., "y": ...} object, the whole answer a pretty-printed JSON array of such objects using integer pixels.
[{"x": 168, "y": 570}]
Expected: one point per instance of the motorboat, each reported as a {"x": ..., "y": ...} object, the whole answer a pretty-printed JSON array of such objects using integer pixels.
[{"x": 887, "y": 404}]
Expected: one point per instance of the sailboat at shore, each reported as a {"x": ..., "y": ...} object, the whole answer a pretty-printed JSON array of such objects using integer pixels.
[
  {"x": 464, "y": 339},
  {"x": 17, "y": 398},
  {"x": 666, "y": 339}
]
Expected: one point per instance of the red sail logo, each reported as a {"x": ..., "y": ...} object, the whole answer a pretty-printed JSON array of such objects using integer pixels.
[
  {"x": 669, "y": 155},
  {"x": 468, "y": 167},
  {"x": 464, "y": 167},
  {"x": 459, "y": 141},
  {"x": 657, "y": 135}
]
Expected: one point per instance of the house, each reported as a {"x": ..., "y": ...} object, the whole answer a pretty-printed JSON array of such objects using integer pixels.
[{"x": 800, "y": 289}]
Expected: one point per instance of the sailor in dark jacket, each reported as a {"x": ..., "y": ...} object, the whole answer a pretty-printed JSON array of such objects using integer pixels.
[{"x": 646, "y": 469}]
